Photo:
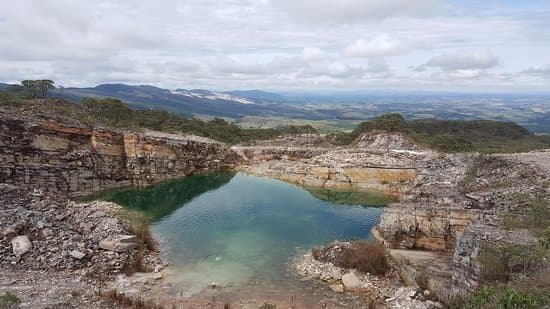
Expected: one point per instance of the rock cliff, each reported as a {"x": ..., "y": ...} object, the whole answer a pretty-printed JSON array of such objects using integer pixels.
[
  {"x": 456, "y": 210},
  {"x": 76, "y": 160}
]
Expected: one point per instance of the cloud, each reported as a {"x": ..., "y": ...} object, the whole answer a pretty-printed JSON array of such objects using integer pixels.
[
  {"x": 462, "y": 62},
  {"x": 225, "y": 64},
  {"x": 351, "y": 11},
  {"x": 273, "y": 43},
  {"x": 378, "y": 46},
  {"x": 378, "y": 65},
  {"x": 538, "y": 71},
  {"x": 314, "y": 54}
]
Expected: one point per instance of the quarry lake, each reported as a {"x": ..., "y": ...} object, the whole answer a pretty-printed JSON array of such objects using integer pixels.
[{"x": 241, "y": 231}]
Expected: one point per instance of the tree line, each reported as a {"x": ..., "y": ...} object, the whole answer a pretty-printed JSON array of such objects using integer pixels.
[{"x": 30, "y": 89}]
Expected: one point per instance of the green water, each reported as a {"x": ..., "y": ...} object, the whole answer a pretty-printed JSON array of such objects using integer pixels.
[{"x": 241, "y": 231}]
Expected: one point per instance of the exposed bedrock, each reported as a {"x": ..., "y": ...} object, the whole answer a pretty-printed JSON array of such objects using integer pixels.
[
  {"x": 377, "y": 161},
  {"x": 456, "y": 211},
  {"x": 78, "y": 161}
]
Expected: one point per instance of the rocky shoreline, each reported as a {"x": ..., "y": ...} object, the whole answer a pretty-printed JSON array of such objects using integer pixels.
[{"x": 385, "y": 291}]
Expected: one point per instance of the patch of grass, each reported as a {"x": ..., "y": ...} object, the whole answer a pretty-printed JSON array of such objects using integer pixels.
[
  {"x": 9, "y": 300},
  {"x": 499, "y": 264},
  {"x": 470, "y": 177},
  {"x": 535, "y": 216},
  {"x": 505, "y": 298},
  {"x": 120, "y": 299},
  {"x": 422, "y": 281}
]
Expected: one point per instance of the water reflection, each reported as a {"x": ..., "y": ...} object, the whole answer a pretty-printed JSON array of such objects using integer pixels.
[
  {"x": 350, "y": 197},
  {"x": 160, "y": 200}
]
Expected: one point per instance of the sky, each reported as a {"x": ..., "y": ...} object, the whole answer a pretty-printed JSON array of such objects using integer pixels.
[{"x": 490, "y": 45}]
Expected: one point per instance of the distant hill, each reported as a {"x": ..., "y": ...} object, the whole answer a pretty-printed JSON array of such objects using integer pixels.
[
  {"x": 257, "y": 95},
  {"x": 184, "y": 101},
  {"x": 3, "y": 86},
  {"x": 453, "y": 135}
]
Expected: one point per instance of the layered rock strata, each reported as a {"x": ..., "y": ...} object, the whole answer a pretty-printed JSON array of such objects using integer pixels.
[
  {"x": 456, "y": 211},
  {"x": 78, "y": 160},
  {"x": 378, "y": 161}
]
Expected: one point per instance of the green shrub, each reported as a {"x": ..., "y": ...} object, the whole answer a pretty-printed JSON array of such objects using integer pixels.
[{"x": 9, "y": 300}]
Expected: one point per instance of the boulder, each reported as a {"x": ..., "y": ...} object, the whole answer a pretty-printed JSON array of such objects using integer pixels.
[
  {"x": 351, "y": 281},
  {"x": 119, "y": 243},
  {"x": 21, "y": 245}
]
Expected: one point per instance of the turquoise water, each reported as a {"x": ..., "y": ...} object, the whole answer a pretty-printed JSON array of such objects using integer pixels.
[{"x": 238, "y": 230}]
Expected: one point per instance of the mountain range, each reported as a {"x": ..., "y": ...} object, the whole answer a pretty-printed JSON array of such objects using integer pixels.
[{"x": 235, "y": 104}]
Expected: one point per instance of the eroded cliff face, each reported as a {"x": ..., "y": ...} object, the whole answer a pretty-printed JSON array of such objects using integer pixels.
[
  {"x": 378, "y": 161},
  {"x": 78, "y": 161},
  {"x": 456, "y": 211}
]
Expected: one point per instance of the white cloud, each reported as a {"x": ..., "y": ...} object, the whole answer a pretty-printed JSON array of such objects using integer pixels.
[
  {"x": 314, "y": 54},
  {"x": 465, "y": 63},
  {"x": 378, "y": 46},
  {"x": 350, "y": 11}
]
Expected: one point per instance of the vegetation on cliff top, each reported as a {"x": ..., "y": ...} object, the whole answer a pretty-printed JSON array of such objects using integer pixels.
[
  {"x": 452, "y": 135},
  {"x": 114, "y": 113},
  {"x": 444, "y": 135}
]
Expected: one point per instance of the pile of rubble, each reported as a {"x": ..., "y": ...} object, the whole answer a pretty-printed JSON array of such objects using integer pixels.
[{"x": 41, "y": 232}]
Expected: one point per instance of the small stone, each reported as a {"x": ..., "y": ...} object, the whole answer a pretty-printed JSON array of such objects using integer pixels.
[
  {"x": 77, "y": 254},
  {"x": 336, "y": 273},
  {"x": 213, "y": 285},
  {"x": 427, "y": 293},
  {"x": 21, "y": 245},
  {"x": 157, "y": 276},
  {"x": 339, "y": 288}
]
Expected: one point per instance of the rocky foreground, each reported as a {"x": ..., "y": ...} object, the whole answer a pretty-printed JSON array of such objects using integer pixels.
[{"x": 67, "y": 249}]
